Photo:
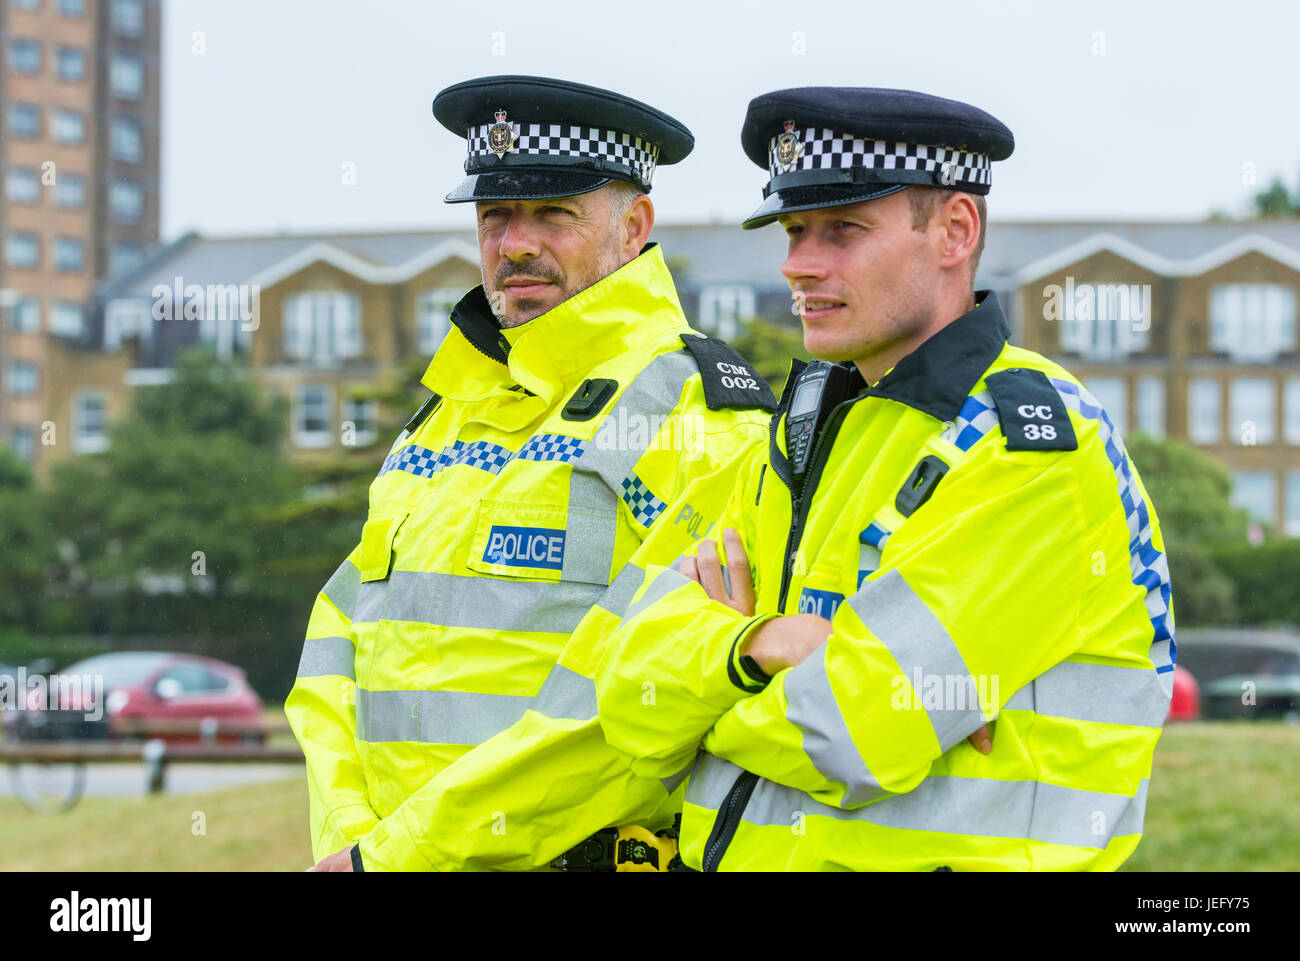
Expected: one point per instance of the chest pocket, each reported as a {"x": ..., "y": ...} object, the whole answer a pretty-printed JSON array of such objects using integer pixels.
[
  {"x": 547, "y": 542},
  {"x": 375, "y": 557}
]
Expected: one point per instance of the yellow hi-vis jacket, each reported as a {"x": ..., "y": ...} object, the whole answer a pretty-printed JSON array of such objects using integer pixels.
[
  {"x": 1031, "y": 587},
  {"x": 534, "y": 475}
]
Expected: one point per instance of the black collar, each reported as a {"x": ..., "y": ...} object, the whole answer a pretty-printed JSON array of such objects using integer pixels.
[
  {"x": 937, "y": 377},
  {"x": 480, "y": 326}
]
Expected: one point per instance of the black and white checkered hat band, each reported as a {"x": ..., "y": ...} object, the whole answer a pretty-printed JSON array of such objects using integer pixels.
[
  {"x": 566, "y": 145},
  {"x": 876, "y": 160}
]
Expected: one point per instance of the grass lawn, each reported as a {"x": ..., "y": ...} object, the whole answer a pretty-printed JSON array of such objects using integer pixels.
[{"x": 1223, "y": 798}]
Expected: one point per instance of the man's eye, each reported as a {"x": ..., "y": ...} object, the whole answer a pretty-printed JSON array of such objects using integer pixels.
[
  {"x": 555, "y": 210},
  {"x": 846, "y": 223},
  {"x": 792, "y": 229}
]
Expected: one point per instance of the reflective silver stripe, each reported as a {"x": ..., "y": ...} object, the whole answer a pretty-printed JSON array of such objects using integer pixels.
[
  {"x": 671, "y": 782},
  {"x": 663, "y": 585},
  {"x": 1096, "y": 692},
  {"x": 342, "y": 588},
  {"x": 436, "y": 717},
  {"x": 590, "y": 533},
  {"x": 978, "y": 807},
  {"x": 608, "y": 459},
  {"x": 327, "y": 656},
  {"x": 616, "y": 599},
  {"x": 811, "y": 706},
  {"x": 567, "y": 694},
  {"x": 893, "y": 612},
  {"x": 481, "y": 603}
]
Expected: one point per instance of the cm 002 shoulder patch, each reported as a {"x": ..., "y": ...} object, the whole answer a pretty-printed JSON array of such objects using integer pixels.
[
  {"x": 729, "y": 380},
  {"x": 1032, "y": 413}
]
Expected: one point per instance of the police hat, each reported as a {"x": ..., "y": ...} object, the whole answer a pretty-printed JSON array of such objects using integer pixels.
[
  {"x": 533, "y": 137},
  {"x": 826, "y": 146}
]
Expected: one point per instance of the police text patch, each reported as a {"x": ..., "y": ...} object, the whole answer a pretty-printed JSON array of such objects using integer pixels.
[
  {"x": 1032, "y": 413},
  {"x": 541, "y": 547},
  {"x": 729, "y": 380}
]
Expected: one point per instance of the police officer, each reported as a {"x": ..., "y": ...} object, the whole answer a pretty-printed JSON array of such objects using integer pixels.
[
  {"x": 943, "y": 530},
  {"x": 571, "y": 404}
]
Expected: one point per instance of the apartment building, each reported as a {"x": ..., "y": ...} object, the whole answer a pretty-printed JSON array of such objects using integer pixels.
[{"x": 79, "y": 159}]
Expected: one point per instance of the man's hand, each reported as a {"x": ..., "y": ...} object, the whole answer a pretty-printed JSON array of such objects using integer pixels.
[
  {"x": 707, "y": 572},
  {"x": 783, "y": 641},
  {"x": 342, "y": 861}
]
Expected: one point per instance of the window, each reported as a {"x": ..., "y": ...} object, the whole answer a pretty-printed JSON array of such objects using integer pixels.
[
  {"x": 1112, "y": 394},
  {"x": 126, "y": 318},
  {"x": 1252, "y": 400},
  {"x": 67, "y": 320},
  {"x": 1252, "y": 322},
  {"x": 24, "y": 443},
  {"x": 433, "y": 317},
  {"x": 1108, "y": 324},
  {"x": 1291, "y": 412},
  {"x": 70, "y": 64},
  {"x": 128, "y": 17},
  {"x": 363, "y": 415},
  {"x": 70, "y": 191},
  {"x": 72, "y": 8},
  {"x": 1255, "y": 491},
  {"x": 312, "y": 409},
  {"x": 22, "y": 250},
  {"x": 721, "y": 309},
  {"x": 126, "y": 200},
  {"x": 1151, "y": 406},
  {"x": 89, "y": 422},
  {"x": 125, "y": 143},
  {"x": 69, "y": 254},
  {"x": 22, "y": 186},
  {"x": 68, "y": 127},
  {"x": 124, "y": 256},
  {"x": 126, "y": 77},
  {"x": 21, "y": 378},
  {"x": 25, "y": 120},
  {"x": 1204, "y": 404},
  {"x": 1291, "y": 520},
  {"x": 322, "y": 327},
  {"x": 25, "y": 56},
  {"x": 25, "y": 316}
]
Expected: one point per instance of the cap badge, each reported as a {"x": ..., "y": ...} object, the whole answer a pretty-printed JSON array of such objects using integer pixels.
[
  {"x": 787, "y": 147},
  {"x": 501, "y": 136}
]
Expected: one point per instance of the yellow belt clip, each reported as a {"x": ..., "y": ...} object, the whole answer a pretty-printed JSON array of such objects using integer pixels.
[{"x": 639, "y": 850}]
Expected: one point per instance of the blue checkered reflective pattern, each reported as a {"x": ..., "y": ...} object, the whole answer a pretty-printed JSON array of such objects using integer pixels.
[
  {"x": 975, "y": 419},
  {"x": 492, "y": 458},
  {"x": 645, "y": 507},
  {"x": 1150, "y": 567}
]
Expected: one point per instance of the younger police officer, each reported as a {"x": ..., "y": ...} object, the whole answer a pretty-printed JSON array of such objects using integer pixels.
[
  {"x": 572, "y": 403},
  {"x": 944, "y": 529}
]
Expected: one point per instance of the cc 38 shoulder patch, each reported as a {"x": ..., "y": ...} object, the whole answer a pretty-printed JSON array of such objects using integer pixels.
[{"x": 1032, "y": 413}]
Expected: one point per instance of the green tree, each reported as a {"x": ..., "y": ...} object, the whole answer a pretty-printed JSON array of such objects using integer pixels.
[
  {"x": 769, "y": 346},
  {"x": 1276, "y": 201},
  {"x": 26, "y": 549}
]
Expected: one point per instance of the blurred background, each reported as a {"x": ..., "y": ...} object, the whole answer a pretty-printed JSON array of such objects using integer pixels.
[{"x": 226, "y": 263}]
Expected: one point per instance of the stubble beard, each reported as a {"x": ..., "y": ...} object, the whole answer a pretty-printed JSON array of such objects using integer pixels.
[{"x": 602, "y": 265}]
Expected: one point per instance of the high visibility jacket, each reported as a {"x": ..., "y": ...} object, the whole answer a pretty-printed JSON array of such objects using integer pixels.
[
  {"x": 498, "y": 520},
  {"x": 1031, "y": 587}
]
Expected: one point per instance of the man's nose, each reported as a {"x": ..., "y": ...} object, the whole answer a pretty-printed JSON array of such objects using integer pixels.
[
  {"x": 519, "y": 242},
  {"x": 804, "y": 262}
]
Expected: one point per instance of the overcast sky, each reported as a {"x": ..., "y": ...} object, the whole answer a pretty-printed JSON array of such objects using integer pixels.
[{"x": 1145, "y": 109}]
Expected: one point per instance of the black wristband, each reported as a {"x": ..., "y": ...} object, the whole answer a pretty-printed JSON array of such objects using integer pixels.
[{"x": 357, "y": 866}]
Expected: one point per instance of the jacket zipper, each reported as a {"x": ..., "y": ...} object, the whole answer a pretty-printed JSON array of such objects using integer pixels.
[{"x": 733, "y": 806}]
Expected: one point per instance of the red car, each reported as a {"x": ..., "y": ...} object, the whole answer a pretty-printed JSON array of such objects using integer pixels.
[
  {"x": 171, "y": 696},
  {"x": 1185, "y": 705}
]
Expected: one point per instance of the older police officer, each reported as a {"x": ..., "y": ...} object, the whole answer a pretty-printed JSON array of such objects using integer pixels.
[
  {"x": 944, "y": 529},
  {"x": 571, "y": 403}
]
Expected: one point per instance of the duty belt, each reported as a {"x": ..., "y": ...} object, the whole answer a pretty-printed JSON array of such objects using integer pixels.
[{"x": 630, "y": 848}]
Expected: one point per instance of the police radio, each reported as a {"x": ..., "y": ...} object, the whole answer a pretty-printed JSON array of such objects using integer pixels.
[{"x": 822, "y": 386}]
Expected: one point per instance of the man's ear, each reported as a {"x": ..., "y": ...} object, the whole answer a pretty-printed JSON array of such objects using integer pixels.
[
  {"x": 961, "y": 222},
  {"x": 637, "y": 224}
]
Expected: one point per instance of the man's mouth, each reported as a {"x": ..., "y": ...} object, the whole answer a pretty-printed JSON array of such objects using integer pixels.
[
  {"x": 524, "y": 287},
  {"x": 816, "y": 308}
]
